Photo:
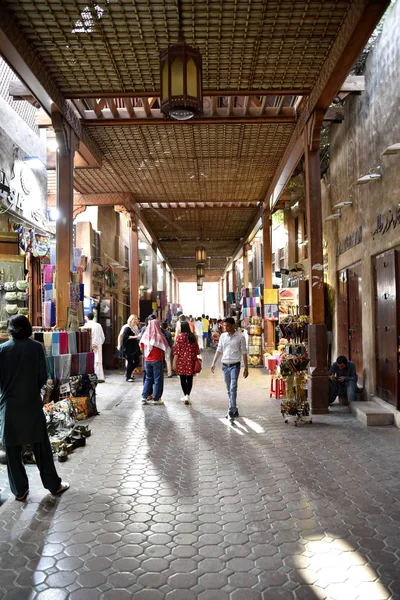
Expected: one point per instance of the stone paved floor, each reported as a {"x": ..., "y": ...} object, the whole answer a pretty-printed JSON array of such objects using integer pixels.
[{"x": 173, "y": 502}]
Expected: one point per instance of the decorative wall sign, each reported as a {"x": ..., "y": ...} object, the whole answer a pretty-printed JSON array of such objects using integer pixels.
[
  {"x": 386, "y": 221},
  {"x": 349, "y": 241}
]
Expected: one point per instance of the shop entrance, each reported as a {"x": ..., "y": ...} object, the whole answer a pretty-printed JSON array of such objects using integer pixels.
[
  {"x": 349, "y": 316},
  {"x": 387, "y": 326}
]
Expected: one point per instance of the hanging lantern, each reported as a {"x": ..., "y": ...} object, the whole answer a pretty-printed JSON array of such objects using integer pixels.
[
  {"x": 181, "y": 94},
  {"x": 199, "y": 287},
  {"x": 201, "y": 255},
  {"x": 200, "y": 270},
  {"x": 199, "y": 281}
]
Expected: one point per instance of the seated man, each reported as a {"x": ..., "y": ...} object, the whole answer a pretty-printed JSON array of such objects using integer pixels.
[{"x": 342, "y": 379}]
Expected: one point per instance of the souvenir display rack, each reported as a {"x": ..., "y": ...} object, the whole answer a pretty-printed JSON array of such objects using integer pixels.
[
  {"x": 13, "y": 288},
  {"x": 294, "y": 328},
  {"x": 255, "y": 348},
  {"x": 293, "y": 364}
]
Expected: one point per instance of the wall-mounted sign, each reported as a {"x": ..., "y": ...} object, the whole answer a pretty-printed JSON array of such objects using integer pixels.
[
  {"x": 349, "y": 241},
  {"x": 386, "y": 221},
  {"x": 23, "y": 195}
]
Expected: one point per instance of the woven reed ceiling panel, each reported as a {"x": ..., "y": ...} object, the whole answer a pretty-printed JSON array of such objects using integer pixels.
[
  {"x": 115, "y": 45},
  {"x": 214, "y": 163}
]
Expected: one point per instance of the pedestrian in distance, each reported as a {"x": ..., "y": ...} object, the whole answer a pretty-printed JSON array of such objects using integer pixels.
[
  {"x": 232, "y": 349},
  {"x": 186, "y": 350},
  {"x": 130, "y": 347},
  {"x": 98, "y": 339},
  {"x": 23, "y": 373}
]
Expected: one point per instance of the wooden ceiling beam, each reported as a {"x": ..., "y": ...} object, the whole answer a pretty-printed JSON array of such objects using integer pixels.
[
  {"x": 113, "y": 107},
  {"x": 282, "y": 118},
  {"x": 129, "y": 107},
  {"x": 156, "y": 94}
]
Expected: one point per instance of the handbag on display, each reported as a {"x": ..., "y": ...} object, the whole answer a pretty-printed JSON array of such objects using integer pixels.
[
  {"x": 198, "y": 364},
  {"x": 22, "y": 284},
  {"x": 12, "y": 309},
  {"x": 9, "y": 285},
  {"x": 23, "y": 310},
  {"x": 11, "y": 296},
  {"x": 21, "y": 296}
]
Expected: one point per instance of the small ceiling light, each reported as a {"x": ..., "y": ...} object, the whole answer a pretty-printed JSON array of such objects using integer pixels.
[
  {"x": 34, "y": 162},
  {"x": 199, "y": 288},
  {"x": 201, "y": 255},
  {"x": 200, "y": 281},
  {"x": 200, "y": 270},
  {"x": 342, "y": 205},
  {"x": 53, "y": 214},
  {"x": 373, "y": 175},
  {"x": 393, "y": 149},
  {"x": 333, "y": 216},
  {"x": 181, "y": 94}
]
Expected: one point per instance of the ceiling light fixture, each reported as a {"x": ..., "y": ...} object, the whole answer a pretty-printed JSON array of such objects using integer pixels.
[
  {"x": 201, "y": 255},
  {"x": 200, "y": 270},
  {"x": 372, "y": 175},
  {"x": 333, "y": 216},
  {"x": 342, "y": 205},
  {"x": 393, "y": 149},
  {"x": 181, "y": 93}
]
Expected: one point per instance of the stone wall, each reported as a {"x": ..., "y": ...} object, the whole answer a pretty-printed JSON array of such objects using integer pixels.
[{"x": 371, "y": 123}]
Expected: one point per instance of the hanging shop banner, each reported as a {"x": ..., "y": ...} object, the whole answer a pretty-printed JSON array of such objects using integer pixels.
[
  {"x": 271, "y": 312},
  {"x": 22, "y": 194},
  {"x": 271, "y": 296},
  {"x": 288, "y": 301}
]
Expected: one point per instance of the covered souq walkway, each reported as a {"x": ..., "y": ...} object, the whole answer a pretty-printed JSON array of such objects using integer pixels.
[{"x": 173, "y": 502}]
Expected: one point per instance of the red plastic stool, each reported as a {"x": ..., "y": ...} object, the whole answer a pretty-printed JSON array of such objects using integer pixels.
[{"x": 278, "y": 387}]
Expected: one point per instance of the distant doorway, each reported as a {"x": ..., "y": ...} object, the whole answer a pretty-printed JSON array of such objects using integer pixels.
[{"x": 350, "y": 316}]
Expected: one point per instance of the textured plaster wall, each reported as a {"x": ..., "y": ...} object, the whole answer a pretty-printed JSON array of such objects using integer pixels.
[{"x": 371, "y": 123}]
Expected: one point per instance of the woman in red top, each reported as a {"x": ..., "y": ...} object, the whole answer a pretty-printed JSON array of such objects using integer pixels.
[
  {"x": 186, "y": 350},
  {"x": 153, "y": 344}
]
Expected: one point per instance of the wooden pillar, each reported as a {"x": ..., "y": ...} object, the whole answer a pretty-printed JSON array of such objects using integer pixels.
[
  {"x": 317, "y": 333},
  {"x": 170, "y": 288},
  {"x": 164, "y": 286},
  {"x": 154, "y": 273},
  {"x": 269, "y": 326},
  {"x": 234, "y": 278},
  {"x": 134, "y": 266},
  {"x": 227, "y": 284},
  {"x": 67, "y": 143},
  {"x": 177, "y": 291},
  {"x": 245, "y": 266}
]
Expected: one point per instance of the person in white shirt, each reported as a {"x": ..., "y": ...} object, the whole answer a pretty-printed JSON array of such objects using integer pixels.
[
  {"x": 98, "y": 339},
  {"x": 232, "y": 348},
  {"x": 199, "y": 329}
]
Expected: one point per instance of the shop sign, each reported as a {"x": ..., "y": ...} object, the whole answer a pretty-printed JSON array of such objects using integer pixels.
[
  {"x": 349, "y": 241},
  {"x": 386, "y": 221},
  {"x": 14, "y": 195}
]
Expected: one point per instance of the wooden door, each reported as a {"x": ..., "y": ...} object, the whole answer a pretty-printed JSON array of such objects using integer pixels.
[
  {"x": 386, "y": 311},
  {"x": 354, "y": 295},
  {"x": 342, "y": 315}
]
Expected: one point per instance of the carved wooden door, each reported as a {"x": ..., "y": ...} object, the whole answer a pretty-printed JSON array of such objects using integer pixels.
[
  {"x": 354, "y": 292},
  {"x": 386, "y": 314},
  {"x": 342, "y": 316}
]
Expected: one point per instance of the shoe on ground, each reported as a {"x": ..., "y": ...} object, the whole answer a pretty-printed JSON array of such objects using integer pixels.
[
  {"x": 158, "y": 402},
  {"x": 100, "y": 381},
  {"x": 187, "y": 399},
  {"x": 63, "y": 488},
  {"x": 130, "y": 379},
  {"x": 236, "y": 414},
  {"x": 230, "y": 417},
  {"x": 183, "y": 399},
  {"x": 23, "y": 497},
  {"x": 144, "y": 401}
]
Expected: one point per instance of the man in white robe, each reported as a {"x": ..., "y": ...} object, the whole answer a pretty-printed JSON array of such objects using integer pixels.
[{"x": 97, "y": 345}]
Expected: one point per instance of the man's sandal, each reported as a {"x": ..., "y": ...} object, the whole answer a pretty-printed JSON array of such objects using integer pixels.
[
  {"x": 23, "y": 497},
  {"x": 63, "y": 488}
]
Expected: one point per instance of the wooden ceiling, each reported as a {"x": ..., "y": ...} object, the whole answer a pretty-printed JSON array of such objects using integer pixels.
[{"x": 265, "y": 64}]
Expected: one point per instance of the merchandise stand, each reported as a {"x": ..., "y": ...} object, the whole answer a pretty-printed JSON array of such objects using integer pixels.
[{"x": 293, "y": 362}]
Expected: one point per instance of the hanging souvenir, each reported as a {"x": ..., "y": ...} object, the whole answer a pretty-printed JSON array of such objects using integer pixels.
[
  {"x": 21, "y": 296},
  {"x": 12, "y": 309},
  {"x": 11, "y": 296},
  {"x": 9, "y": 284},
  {"x": 22, "y": 284},
  {"x": 22, "y": 310}
]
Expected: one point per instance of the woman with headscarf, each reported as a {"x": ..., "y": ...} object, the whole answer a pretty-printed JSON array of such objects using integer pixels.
[
  {"x": 154, "y": 345},
  {"x": 186, "y": 350}
]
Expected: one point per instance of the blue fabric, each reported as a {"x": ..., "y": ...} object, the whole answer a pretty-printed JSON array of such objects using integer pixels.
[
  {"x": 154, "y": 372},
  {"x": 231, "y": 375},
  {"x": 347, "y": 389},
  {"x": 55, "y": 343}
]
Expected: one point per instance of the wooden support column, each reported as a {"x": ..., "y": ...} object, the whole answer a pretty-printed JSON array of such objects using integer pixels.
[
  {"x": 153, "y": 273},
  {"x": 317, "y": 333},
  {"x": 170, "y": 288},
  {"x": 164, "y": 285},
  {"x": 245, "y": 266},
  {"x": 134, "y": 266},
  {"x": 269, "y": 326},
  {"x": 234, "y": 278},
  {"x": 227, "y": 284},
  {"x": 219, "y": 299},
  {"x": 67, "y": 144},
  {"x": 176, "y": 291}
]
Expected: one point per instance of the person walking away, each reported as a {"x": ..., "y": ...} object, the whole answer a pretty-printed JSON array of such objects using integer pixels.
[
  {"x": 131, "y": 348},
  {"x": 232, "y": 348},
  {"x": 98, "y": 339},
  {"x": 186, "y": 350},
  {"x": 154, "y": 345},
  {"x": 206, "y": 325},
  {"x": 199, "y": 330},
  {"x": 342, "y": 379},
  {"x": 23, "y": 373},
  {"x": 168, "y": 354}
]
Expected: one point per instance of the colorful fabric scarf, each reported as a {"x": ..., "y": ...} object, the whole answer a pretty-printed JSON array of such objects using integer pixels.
[
  {"x": 153, "y": 337},
  {"x": 63, "y": 342},
  {"x": 55, "y": 343},
  {"x": 47, "y": 340}
]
